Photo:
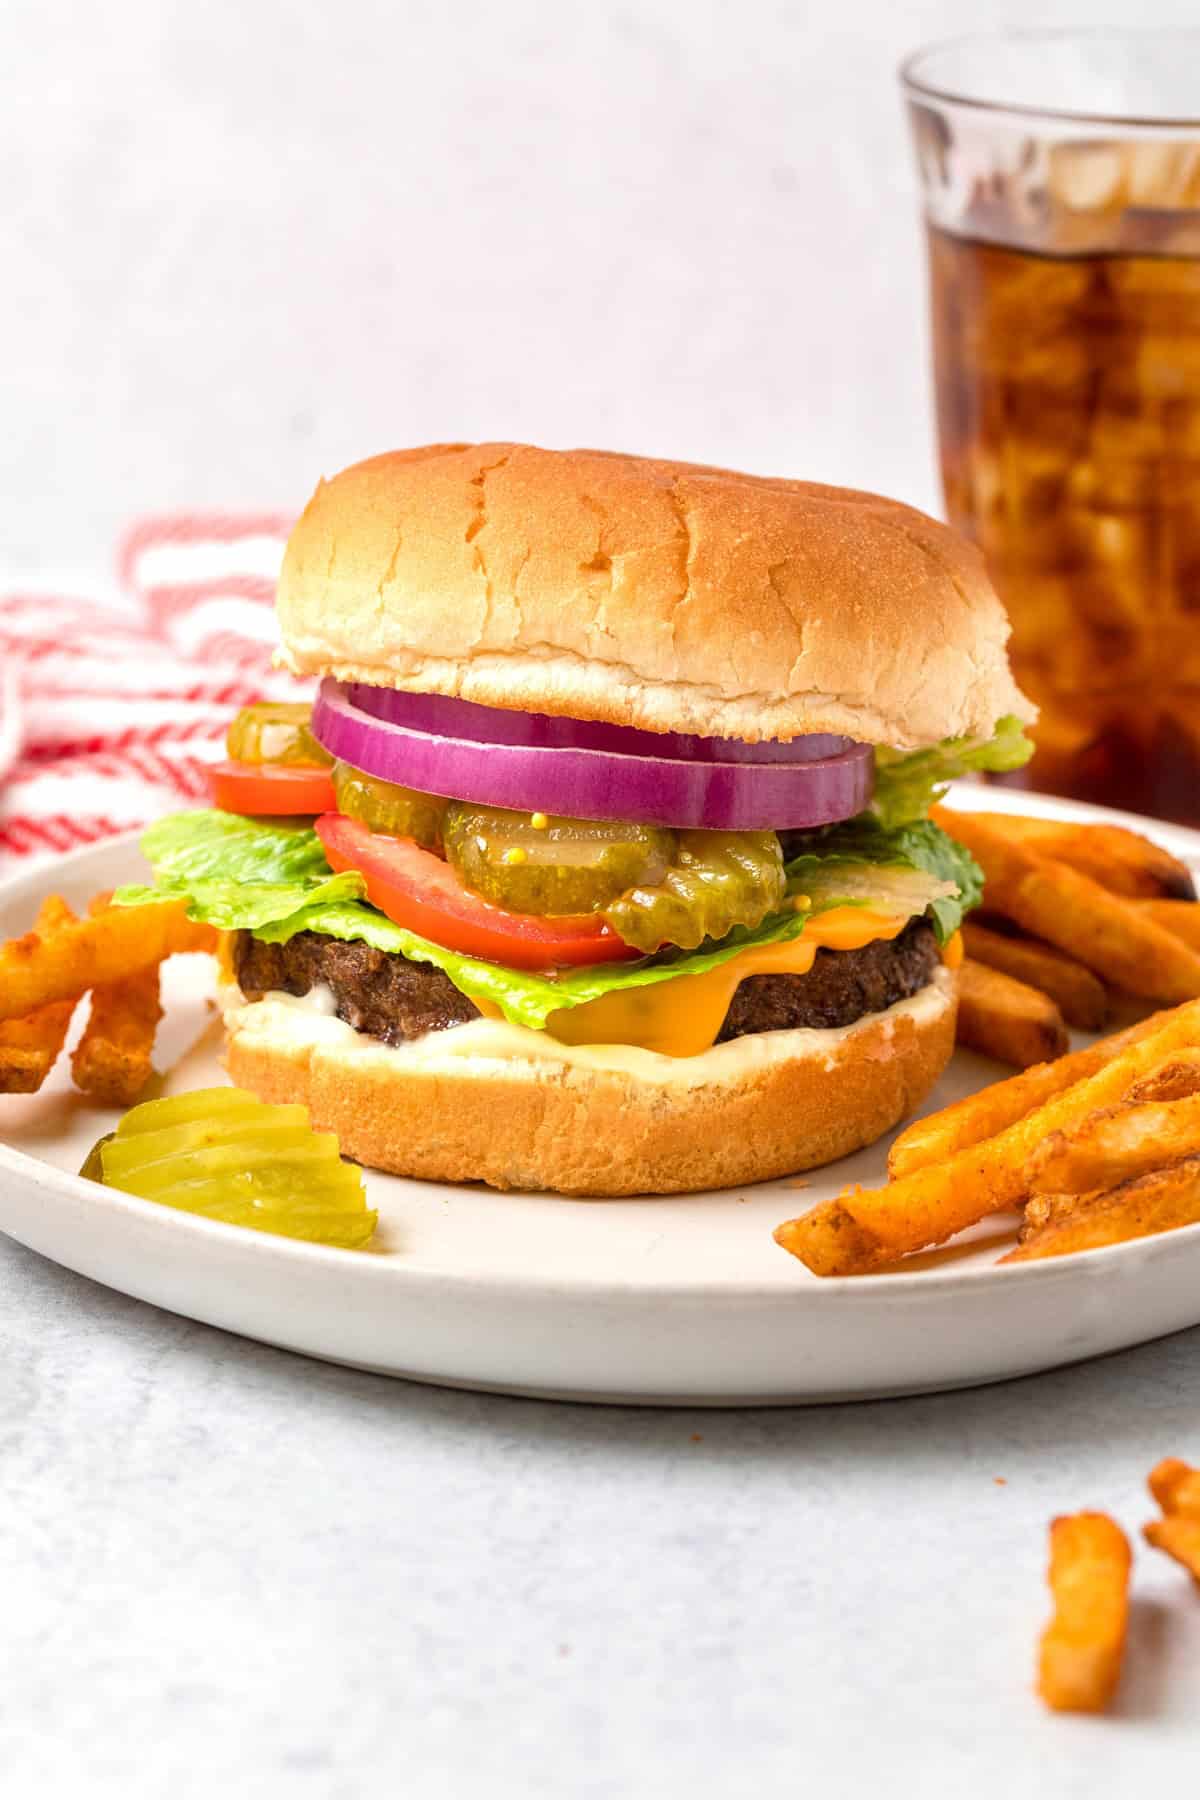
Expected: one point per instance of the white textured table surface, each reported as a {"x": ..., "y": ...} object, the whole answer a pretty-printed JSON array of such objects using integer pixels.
[{"x": 227, "y": 1570}]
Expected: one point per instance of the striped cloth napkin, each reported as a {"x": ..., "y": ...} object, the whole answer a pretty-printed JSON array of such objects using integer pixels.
[{"x": 111, "y": 708}]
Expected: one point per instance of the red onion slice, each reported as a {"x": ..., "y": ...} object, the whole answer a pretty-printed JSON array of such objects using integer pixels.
[
  {"x": 582, "y": 783},
  {"x": 446, "y": 717}
]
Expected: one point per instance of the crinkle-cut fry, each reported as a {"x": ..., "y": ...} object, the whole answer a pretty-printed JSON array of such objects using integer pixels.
[
  {"x": 1175, "y": 1485},
  {"x": 1116, "y": 1144},
  {"x": 107, "y": 947},
  {"x": 1051, "y": 900},
  {"x": 1007, "y": 1019},
  {"x": 29, "y": 1047},
  {"x": 1083, "y": 1647},
  {"x": 1176, "y": 1077},
  {"x": 1122, "y": 861},
  {"x": 111, "y": 1062},
  {"x": 866, "y": 1228},
  {"x": 1079, "y": 995},
  {"x": 1180, "y": 917},
  {"x": 941, "y": 1135},
  {"x": 1147, "y": 1206},
  {"x": 1179, "y": 1535}
]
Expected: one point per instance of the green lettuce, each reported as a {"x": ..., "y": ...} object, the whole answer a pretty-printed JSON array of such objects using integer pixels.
[
  {"x": 864, "y": 843},
  {"x": 908, "y": 784},
  {"x": 238, "y": 874}
]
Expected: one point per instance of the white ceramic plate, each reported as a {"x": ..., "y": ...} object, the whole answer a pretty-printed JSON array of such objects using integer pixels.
[{"x": 683, "y": 1300}]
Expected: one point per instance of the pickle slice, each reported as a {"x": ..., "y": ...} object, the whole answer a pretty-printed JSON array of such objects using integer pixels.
[
  {"x": 385, "y": 806},
  {"x": 225, "y": 1155},
  {"x": 544, "y": 864},
  {"x": 275, "y": 731},
  {"x": 93, "y": 1168},
  {"x": 719, "y": 879}
]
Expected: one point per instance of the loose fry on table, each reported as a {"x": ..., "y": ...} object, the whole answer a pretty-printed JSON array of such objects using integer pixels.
[
  {"x": 1117, "y": 1144},
  {"x": 865, "y": 1228},
  {"x": 1180, "y": 917},
  {"x": 1175, "y": 1078},
  {"x": 969, "y": 1121},
  {"x": 1175, "y": 1485},
  {"x": 94, "y": 952},
  {"x": 29, "y": 1047},
  {"x": 1111, "y": 935},
  {"x": 1007, "y": 1019},
  {"x": 112, "y": 1059},
  {"x": 1122, "y": 861},
  {"x": 1179, "y": 1536},
  {"x": 1079, "y": 994},
  {"x": 1083, "y": 1647},
  {"x": 1164, "y": 1200}
]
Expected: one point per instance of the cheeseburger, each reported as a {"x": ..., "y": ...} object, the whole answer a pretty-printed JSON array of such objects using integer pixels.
[{"x": 601, "y": 861}]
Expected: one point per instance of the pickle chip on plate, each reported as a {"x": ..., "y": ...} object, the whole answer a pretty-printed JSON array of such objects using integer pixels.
[{"x": 223, "y": 1154}]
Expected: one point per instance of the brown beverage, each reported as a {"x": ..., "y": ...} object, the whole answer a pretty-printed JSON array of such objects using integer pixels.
[
  {"x": 1068, "y": 398},
  {"x": 1060, "y": 172}
]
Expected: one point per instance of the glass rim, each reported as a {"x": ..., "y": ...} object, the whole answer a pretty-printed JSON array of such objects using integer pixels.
[{"x": 916, "y": 87}]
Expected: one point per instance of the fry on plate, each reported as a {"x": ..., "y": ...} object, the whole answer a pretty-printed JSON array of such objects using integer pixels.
[
  {"x": 1122, "y": 861},
  {"x": 1117, "y": 1144},
  {"x": 866, "y": 1228},
  {"x": 1112, "y": 935},
  {"x": 1175, "y": 1486},
  {"x": 111, "y": 1062},
  {"x": 1006, "y": 1019},
  {"x": 1180, "y": 917},
  {"x": 1078, "y": 993},
  {"x": 29, "y": 1047},
  {"x": 1164, "y": 1200},
  {"x": 1083, "y": 1647},
  {"x": 1179, "y": 1536},
  {"x": 109, "y": 946},
  {"x": 941, "y": 1135}
]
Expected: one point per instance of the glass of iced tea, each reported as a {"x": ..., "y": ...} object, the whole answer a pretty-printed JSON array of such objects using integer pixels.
[{"x": 1061, "y": 177}]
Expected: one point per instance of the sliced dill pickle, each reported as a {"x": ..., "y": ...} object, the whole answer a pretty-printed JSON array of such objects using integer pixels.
[
  {"x": 275, "y": 731},
  {"x": 556, "y": 865},
  {"x": 385, "y": 806},
  {"x": 719, "y": 879},
  {"x": 224, "y": 1155},
  {"x": 93, "y": 1167}
]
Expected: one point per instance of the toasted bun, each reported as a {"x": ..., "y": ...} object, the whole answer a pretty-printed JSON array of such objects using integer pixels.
[
  {"x": 451, "y": 1109},
  {"x": 663, "y": 595}
]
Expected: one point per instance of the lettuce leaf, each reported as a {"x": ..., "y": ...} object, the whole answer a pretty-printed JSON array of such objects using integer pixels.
[
  {"x": 908, "y": 784},
  {"x": 273, "y": 879}
]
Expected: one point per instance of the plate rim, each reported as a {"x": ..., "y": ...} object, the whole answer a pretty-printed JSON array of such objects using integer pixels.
[{"x": 370, "y": 1265}]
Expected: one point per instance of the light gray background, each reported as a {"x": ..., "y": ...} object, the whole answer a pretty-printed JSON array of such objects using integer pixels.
[
  {"x": 244, "y": 243},
  {"x": 247, "y": 241}
]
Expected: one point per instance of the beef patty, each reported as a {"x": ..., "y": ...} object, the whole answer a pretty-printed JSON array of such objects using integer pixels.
[{"x": 387, "y": 997}]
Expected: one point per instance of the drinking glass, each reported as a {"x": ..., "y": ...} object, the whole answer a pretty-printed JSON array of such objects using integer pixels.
[{"x": 1061, "y": 181}]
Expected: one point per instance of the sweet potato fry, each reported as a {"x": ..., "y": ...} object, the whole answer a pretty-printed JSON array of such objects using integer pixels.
[
  {"x": 867, "y": 1228},
  {"x": 943, "y": 1134},
  {"x": 1079, "y": 994},
  {"x": 1164, "y": 1200},
  {"x": 112, "y": 1059},
  {"x": 1006, "y": 1019},
  {"x": 1122, "y": 861},
  {"x": 1179, "y": 1536},
  {"x": 110, "y": 946},
  {"x": 1117, "y": 1144},
  {"x": 29, "y": 1047},
  {"x": 1176, "y": 1486},
  {"x": 1083, "y": 1647},
  {"x": 1180, "y": 917},
  {"x": 1111, "y": 935},
  {"x": 1175, "y": 1078}
]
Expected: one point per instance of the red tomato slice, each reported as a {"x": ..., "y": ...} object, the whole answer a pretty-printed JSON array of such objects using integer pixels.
[
  {"x": 266, "y": 788},
  {"x": 421, "y": 892}
]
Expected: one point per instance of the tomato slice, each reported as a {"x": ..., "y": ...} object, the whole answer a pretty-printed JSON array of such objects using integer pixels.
[
  {"x": 271, "y": 788},
  {"x": 421, "y": 892}
]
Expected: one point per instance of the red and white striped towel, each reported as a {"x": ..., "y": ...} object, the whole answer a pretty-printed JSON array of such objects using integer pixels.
[{"x": 109, "y": 710}]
